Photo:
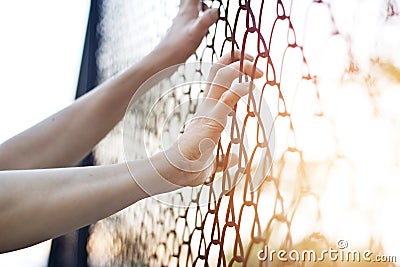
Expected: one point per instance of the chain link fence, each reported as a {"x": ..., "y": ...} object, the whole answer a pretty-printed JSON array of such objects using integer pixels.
[{"x": 331, "y": 87}]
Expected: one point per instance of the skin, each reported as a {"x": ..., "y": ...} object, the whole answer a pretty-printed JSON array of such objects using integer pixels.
[{"x": 42, "y": 196}]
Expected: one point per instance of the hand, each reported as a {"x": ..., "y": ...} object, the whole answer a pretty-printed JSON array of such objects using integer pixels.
[
  {"x": 187, "y": 31},
  {"x": 192, "y": 152}
]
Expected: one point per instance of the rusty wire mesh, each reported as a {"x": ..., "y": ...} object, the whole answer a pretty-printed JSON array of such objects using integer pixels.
[{"x": 334, "y": 114}]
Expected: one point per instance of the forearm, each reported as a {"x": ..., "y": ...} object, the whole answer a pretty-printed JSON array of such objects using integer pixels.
[
  {"x": 66, "y": 137},
  {"x": 36, "y": 205}
]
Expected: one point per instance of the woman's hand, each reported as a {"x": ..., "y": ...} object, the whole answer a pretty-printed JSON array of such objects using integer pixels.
[
  {"x": 192, "y": 154},
  {"x": 187, "y": 31}
]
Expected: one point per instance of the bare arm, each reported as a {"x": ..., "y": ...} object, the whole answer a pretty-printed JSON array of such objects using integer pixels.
[
  {"x": 66, "y": 137},
  {"x": 36, "y": 205}
]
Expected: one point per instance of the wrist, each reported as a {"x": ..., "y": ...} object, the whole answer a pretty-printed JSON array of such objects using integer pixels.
[
  {"x": 161, "y": 57},
  {"x": 150, "y": 175},
  {"x": 171, "y": 52},
  {"x": 166, "y": 171},
  {"x": 182, "y": 170}
]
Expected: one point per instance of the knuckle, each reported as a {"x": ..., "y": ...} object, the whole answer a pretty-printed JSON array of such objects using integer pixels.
[
  {"x": 228, "y": 59},
  {"x": 215, "y": 67},
  {"x": 224, "y": 72},
  {"x": 204, "y": 22},
  {"x": 225, "y": 58},
  {"x": 230, "y": 98},
  {"x": 236, "y": 86},
  {"x": 221, "y": 72},
  {"x": 225, "y": 97}
]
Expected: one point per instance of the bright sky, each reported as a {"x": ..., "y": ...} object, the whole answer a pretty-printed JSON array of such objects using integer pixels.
[{"x": 40, "y": 53}]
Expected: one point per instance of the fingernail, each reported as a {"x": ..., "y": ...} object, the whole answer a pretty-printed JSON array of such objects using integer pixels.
[{"x": 260, "y": 72}]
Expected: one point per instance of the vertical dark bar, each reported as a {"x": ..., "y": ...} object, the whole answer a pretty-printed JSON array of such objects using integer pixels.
[{"x": 70, "y": 249}]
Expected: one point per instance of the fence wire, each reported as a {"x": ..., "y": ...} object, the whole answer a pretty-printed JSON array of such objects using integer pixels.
[{"x": 331, "y": 82}]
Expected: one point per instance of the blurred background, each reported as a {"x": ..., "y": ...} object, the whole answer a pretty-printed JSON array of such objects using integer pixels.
[{"x": 41, "y": 44}]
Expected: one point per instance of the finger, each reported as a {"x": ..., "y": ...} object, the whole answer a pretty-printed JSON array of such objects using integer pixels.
[
  {"x": 209, "y": 17},
  {"x": 226, "y": 75},
  {"x": 190, "y": 2},
  {"x": 192, "y": 6},
  {"x": 224, "y": 162},
  {"x": 183, "y": 4},
  {"x": 223, "y": 107},
  {"x": 231, "y": 97},
  {"x": 223, "y": 61}
]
